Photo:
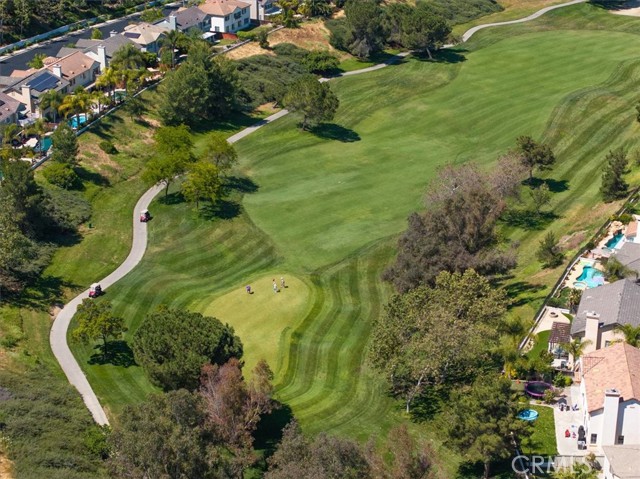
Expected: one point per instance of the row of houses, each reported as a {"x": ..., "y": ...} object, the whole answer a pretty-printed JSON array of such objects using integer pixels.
[{"x": 81, "y": 64}]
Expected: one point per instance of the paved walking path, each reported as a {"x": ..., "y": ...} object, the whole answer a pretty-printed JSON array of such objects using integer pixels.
[{"x": 58, "y": 336}]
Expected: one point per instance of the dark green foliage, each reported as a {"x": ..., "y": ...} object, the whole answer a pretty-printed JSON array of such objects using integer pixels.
[
  {"x": 549, "y": 252},
  {"x": 482, "y": 420},
  {"x": 266, "y": 78},
  {"x": 615, "y": 270},
  {"x": 64, "y": 211},
  {"x": 534, "y": 155},
  {"x": 108, "y": 147},
  {"x": 423, "y": 30},
  {"x": 64, "y": 144},
  {"x": 457, "y": 232},
  {"x": 315, "y": 101},
  {"x": 462, "y": 11},
  {"x": 339, "y": 33},
  {"x": 61, "y": 175},
  {"x": 151, "y": 15},
  {"x": 47, "y": 425},
  {"x": 165, "y": 437},
  {"x": 262, "y": 37},
  {"x": 614, "y": 186},
  {"x": 172, "y": 345},
  {"x": 366, "y": 35},
  {"x": 201, "y": 89},
  {"x": 320, "y": 61}
]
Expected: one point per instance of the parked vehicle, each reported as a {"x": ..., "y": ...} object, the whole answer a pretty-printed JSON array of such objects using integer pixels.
[
  {"x": 95, "y": 290},
  {"x": 145, "y": 216}
]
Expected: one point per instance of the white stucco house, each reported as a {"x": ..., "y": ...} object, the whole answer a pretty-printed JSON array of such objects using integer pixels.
[
  {"x": 227, "y": 16},
  {"x": 262, "y": 10},
  {"x": 621, "y": 462},
  {"x": 610, "y": 396}
]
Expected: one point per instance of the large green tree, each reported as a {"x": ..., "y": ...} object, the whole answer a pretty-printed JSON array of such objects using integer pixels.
[
  {"x": 365, "y": 21},
  {"x": 64, "y": 145},
  {"x": 172, "y": 345},
  {"x": 97, "y": 321},
  {"x": 534, "y": 155},
  {"x": 614, "y": 186},
  {"x": 173, "y": 155},
  {"x": 437, "y": 336},
  {"x": 549, "y": 252},
  {"x": 313, "y": 100},
  {"x": 220, "y": 152},
  {"x": 202, "y": 182},
  {"x": 481, "y": 422},
  {"x": 424, "y": 30}
]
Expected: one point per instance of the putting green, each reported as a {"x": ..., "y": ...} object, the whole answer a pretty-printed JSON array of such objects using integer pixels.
[{"x": 263, "y": 319}]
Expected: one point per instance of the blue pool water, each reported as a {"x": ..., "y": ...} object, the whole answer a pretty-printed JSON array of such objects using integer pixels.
[
  {"x": 78, "y": 121},
  {"x": 590, "y": 276},
  {"x": 614, "y": 241},
  {"x": 45, "y": 144},
  {"x": 528, "y": 415}
]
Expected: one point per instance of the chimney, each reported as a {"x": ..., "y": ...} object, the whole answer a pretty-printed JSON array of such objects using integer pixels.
[
  {"x": 57, "y": 70},
  {"x": 102, "y": 57},
  {"x": 592, "y": 331},
  {"x": 26, "y": 95},
  {"x": 113, "y": 33},
  {"x": 173, "y": 25},
  {"x": 610, "y": 417}
]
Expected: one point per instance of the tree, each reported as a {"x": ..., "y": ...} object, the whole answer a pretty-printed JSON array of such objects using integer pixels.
[
  {"x": 315, "y": 101},
  {"x": 220, "y": 152},
  {"x": 108, "y": 79},
  {"x": 541, "y": 197},
  {"x": 233, "y": 407},
  {"x": 262, "y": 37},
  {"x": 287, "y": 15},
  {"x": 575, "y": 295},
  {"x": 151, "y": 15},
  {"x": 23, "y": 10},
  {"x": 366, "y": 35},
  {"x": 128, "y": 57},
  {"x": 172, "y": 345},
  {"x": 575, "y": 348},
  {"x": 315, "y": 8},
  {"x": 614, "y": 270},
  {"x": 173, "y": 147},
  {"x": 614, "y": 187},
  {"x": 320, "y": 61},
  {"x": 549, "y": 252},
  {"x": 17, "y": 251},
  {"x": 75, "y": 104},
  {"x": 165, "y": 437},
  {"x": 37, "y": 62},
  {"x": 631, "y": 334},
  {"x": 423, "y": 30},
  {"x": 96, "y": 34},
  {"x": 482, "y": 421},
  {"x": 134, "y": 106},
  {"x": 171, "y": 42},
  {"x": 212, "y": 82},
  {"x": 534, "y": 155},
  {"x": 202, "y": 181},
  {"x": 97, "y": 321},
  {"x": 61, "y": 175},
  {"x": 433, "y": 336},
  {"x": 64, "y": 145},
  {"x": 577, "y": 471},
  {"x": 456, "y": 232},
  {"x": 52, "y": 100}
]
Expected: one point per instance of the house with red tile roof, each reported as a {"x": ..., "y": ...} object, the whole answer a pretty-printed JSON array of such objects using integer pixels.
[{"x": 610, "y": 395}]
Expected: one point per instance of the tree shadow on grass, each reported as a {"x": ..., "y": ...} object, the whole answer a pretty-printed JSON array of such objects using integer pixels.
[
  {"x": 528, "y": 219},
  {"x": 91, "y": 176},
  {"x": 555, "y": 186},
  {"x": 118, "y": 354},
  {"x": 222, "y": 209},
  {"x": 269, "y": 431},
  {"x": 174, "y": 198},
  {"x": 430, "y": 402},
  {"x": 520, "y": 292},
  {"x": 241, "y": 184},
  {"x": 331, "y": 131},
  {"x": 41, "y": 294},
  {"x": 445, "y": 55},
  {"x": 614, "y": 4}
]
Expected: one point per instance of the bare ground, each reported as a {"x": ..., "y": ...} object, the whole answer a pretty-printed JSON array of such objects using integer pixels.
[
  {"x": 631, "y": 9},
  {"x": 6, "y": 467}
]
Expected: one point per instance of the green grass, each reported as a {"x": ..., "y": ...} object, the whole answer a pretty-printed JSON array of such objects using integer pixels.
[
  {"x": 543, "y": 440},
  {"x": 541, "y": 344}
]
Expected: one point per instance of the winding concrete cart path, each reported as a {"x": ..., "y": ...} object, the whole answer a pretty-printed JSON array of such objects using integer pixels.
[{"x": 58, "y": 336}]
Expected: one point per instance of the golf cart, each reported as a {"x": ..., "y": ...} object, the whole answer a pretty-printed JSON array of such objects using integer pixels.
[
  {"x": 145, "y": 216},
  {"x": 95, "y": 290}
]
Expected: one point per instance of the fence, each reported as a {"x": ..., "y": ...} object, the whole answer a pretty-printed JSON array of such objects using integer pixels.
[{"x": 632, "y": 199}]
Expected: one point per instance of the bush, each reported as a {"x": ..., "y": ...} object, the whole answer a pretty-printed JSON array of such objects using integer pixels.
[
  {"x": 61, "y": 175},
  {"x": 108, "y": 147},
  {"x": 64, "y": 210},
  {"x": 625, "y": 218},
  {"x": 320, "y": 61},
  {"x": 246, "y": 35},
  {"x": 549, "y": 396}
]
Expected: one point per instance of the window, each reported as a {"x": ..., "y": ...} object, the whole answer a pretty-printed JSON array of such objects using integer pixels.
[
  {"x": 594, "y": 438},
  {"x": 217, "y": 29},
  {"x": 607, "y": 344},
  {"x": 620, "y": 440},
  {"x": 246, "y": 20},
  {"x": 226, "y": 17}
]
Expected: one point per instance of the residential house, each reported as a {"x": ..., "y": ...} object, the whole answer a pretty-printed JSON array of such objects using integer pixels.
[
  {"x": 186, "y": 20},
  {"x": 227, "y": 16},
  {"x": 103, "y": 50},
  {"x": 610, "y": 395},
  {"x": 78, "y": 69},
  {"x": 629, "y": 253},
  {"x": 29, "y": 89},
  {"x": 604, "y": 308},
  {"x": 9, "y": 108},
  {"x": 262, "y": 10},
  {"x": 148, "y": 36},
  {"x": 621, "y": 462}
]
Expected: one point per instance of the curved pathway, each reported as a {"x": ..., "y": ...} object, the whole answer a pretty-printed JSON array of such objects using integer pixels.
[{"x": 58, "y": 336}]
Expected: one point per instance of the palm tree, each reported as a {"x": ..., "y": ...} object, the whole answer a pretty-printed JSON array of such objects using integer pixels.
[
  {"x": 631, "y": 334},
  {"x": 97, "y": 97},
  {"x": 109, "y": 80},
  {"x": 171, "y": 42},
  {"x": 575, "y": 349},
  {"x": 574, "y": 299},
  {"x": 76, "y": 103},
  {"x": 128, "y": 57},
  {"x": 37, "y": 128},
  {"x": 51, "y": 100}
]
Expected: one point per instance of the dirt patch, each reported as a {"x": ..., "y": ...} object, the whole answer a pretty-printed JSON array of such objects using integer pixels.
[
  {"x": 6, "y": 468},
  {"x": 630, "y": 9},
  {"x": 310, "y": 35}
]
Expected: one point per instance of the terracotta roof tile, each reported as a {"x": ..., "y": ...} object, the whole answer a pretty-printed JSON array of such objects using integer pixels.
[{"x": 221, "y": 8}]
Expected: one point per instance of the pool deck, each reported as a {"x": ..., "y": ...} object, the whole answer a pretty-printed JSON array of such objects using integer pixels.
[{"x": 577, "y": 271}]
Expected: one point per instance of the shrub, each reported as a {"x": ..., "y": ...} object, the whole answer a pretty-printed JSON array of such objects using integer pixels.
[
  {"x": 246, "y": 35},
  {"x": 625, "y": 218},
  {"x": 108, "y": 147},
  {"x": 549, "y": 396},
  {"x": 64, "y": 210},
  {"x": 320, "y": 61},
  {"x": 61, "y": 175}
]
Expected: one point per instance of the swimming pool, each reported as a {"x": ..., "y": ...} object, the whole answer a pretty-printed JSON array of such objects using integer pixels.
[
  {"x": 44, "y": 145},
  {"x": 590, "y": 277},
  {"x": 78, "y": 121},
  {"x": 614, "y": 241}
]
